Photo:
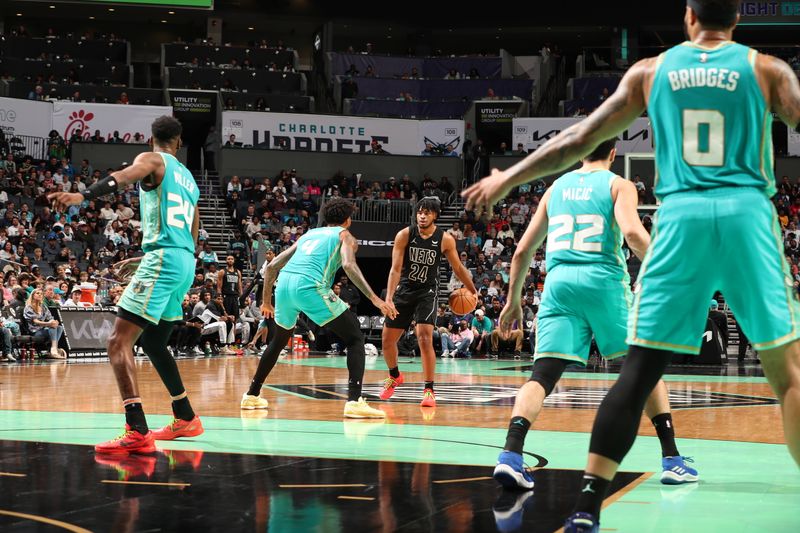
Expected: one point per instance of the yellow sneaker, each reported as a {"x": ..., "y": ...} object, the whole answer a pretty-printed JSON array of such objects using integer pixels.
[
  {"x": 253, "y": 402},
  {"x": 361, "y": 409}
]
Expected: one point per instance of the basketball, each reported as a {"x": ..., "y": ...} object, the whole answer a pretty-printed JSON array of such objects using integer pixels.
[{"x": 462, "y": 301}]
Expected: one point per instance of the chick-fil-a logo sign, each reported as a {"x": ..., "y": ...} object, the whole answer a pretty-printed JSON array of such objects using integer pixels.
[
  {"x": 105, "y": 119},
  {"x": 79, "y": 121}
]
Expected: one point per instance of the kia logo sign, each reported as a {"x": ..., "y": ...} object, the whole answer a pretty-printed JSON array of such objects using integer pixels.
[{"x": 376, "y": 243}]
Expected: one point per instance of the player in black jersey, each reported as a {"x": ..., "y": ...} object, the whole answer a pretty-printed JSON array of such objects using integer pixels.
[
  {"x": 229, "y": 283},
  {"x": 413, "y": 291}
]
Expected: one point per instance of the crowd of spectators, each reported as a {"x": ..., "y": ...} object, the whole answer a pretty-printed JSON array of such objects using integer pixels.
[
  {"x": 787, "y": 204},
  {"x": 67, "y": 255}
]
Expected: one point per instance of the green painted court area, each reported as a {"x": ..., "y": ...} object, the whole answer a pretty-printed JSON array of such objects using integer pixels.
[
  {"x": 506, "y": 368},
  {"x": 750, "y": 487}
]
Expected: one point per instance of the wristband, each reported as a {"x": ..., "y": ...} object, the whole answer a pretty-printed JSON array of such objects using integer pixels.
[{"x": 107, "y": 185}]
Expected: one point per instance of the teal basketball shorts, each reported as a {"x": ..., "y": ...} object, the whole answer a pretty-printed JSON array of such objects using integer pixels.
[
  {"x": 725, "y": 239},
  {"x": 578, "y": 301},
  {"x": 297, "y": 294},
  {"x": 157, "y": 288}
]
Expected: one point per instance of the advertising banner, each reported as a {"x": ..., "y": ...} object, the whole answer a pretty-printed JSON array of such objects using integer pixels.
[
  {"x": 493, "y": 122},
  {"x": 534, "y": 132},
  {"x": 336, "y": 133},
  {"x": 197, "y": 111},
  {"x": 87, "y": 330},
  {"x": 107, "y": 118},
  {"x": 375, "y": 239},
  {"x": 25, "y": 117},
  {"x": 793, "y": 145}
]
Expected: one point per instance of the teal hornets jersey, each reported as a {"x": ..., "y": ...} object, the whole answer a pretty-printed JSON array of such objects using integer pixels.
[
  {"x": 581, "y": 227},
  {"x": 317, "y": 256},
  {"x": 711, "y": 125},
  {"x": 168, "y": 210}
]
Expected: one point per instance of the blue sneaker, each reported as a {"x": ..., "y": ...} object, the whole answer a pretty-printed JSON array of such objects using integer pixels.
[
  {"x": 582, "y": 523},
  {"x": 676, "y": 472},
  {"x": 509, "y": 510},
  {"x": 510, "y": 471}
]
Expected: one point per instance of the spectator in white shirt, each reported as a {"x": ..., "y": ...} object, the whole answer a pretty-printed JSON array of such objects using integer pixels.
[
  {"x": 74, "y": 299},
  {"x": 124, "y": 212},
  {"x": 522, "y": 206},
  {"x": 106, "y": 213},
  {"x": 456, "y": 232},
  {"x": 492, "y": 248}
]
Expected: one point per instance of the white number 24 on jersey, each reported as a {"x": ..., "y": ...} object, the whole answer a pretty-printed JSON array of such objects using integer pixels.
[
  {"x": 576, "y": 239},
  {"x": 179, "y": 213}
]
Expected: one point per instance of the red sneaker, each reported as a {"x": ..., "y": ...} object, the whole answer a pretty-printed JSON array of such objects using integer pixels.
[
  {"x": 389, "y": 384},
  {"x": 129, "y": 466},
  {"x": 428, "y": 398},
  {"x": 129, "y": 442},
  {"x": 179, "y": 428},
  {"x": 183, "y": 457}
]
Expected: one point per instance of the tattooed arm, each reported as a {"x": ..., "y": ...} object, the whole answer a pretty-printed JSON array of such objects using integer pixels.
[
  {"x": 572, "y": 144},
  {"x": 348, "y": 251},
  {"x": 783, "y": 91},
  {"x": 270, "y": 275}
]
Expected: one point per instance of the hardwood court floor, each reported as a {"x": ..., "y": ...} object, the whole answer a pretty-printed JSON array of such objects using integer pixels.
[{"x": 300, "y": 466}]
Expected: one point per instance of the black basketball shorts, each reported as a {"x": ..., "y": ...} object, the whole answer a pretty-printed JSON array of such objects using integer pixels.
[{"x": 419, "y": 306}]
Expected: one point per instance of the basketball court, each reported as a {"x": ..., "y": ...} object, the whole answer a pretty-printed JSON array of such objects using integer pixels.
[{"x": 300, "y": 467}]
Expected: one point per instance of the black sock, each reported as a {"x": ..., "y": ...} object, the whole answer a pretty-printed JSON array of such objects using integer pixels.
[
  {"x": 268, "y": 359},
  {"x": 593, "y": 492},
  {"x": 394, "y": 372},
  {"x": 429, "y": 385},
  {"x": 182, "y": 409},
  {"x": 666, "y": 434},
  {"x": 517, "y": 430},
  {"x": 255, "y": 388},
  {"x": 134, "y": 417},
  {"x": 353, "y": 390}
]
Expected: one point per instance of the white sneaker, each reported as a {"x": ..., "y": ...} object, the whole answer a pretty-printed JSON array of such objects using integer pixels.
[
  {"x": 10, "y": 358},
  {"x": 361, "y": 409},
  {"x": 253, "y": 402},
  {"x": 446, "y": 353},
  {"x": 226, "y": 351},
  {"x": 197, "y": 351}
]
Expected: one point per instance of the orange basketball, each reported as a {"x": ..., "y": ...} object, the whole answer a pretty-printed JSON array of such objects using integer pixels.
[{"x": 462, "y": 301}]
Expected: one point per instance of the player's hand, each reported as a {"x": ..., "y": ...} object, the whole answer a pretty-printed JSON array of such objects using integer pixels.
[
  {"x": 483, "y": 195},
  {"x": 476, "y": 296},
  {"x": 125, "y": 269},
  {"x": 390, "y": 303},
  {"x": 267, "y": 310},
  {"x": 511, "y": 312},
  {"x": 386, "y": 308},
  {"x": 62, "y": 200}
]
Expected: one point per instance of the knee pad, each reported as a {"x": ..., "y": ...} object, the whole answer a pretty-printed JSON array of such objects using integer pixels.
[{"x": 546, "y": 372}]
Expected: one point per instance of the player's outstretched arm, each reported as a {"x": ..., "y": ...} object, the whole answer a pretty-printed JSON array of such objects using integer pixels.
[
  {"x": 784, "y": 88},
  {"x": 145, "y": 164},
  {"x": 533, "y": 237},
  {"x": 398, "y": 253},
  {"x": 270, "y": 275},
  {"x": 461, "y": 272},
  {"x": 627, "y": 215},
  {"x": 531, "y": 240},
  {"x": 572, "y": 144},
  {"x": 348, "y": 251}
]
